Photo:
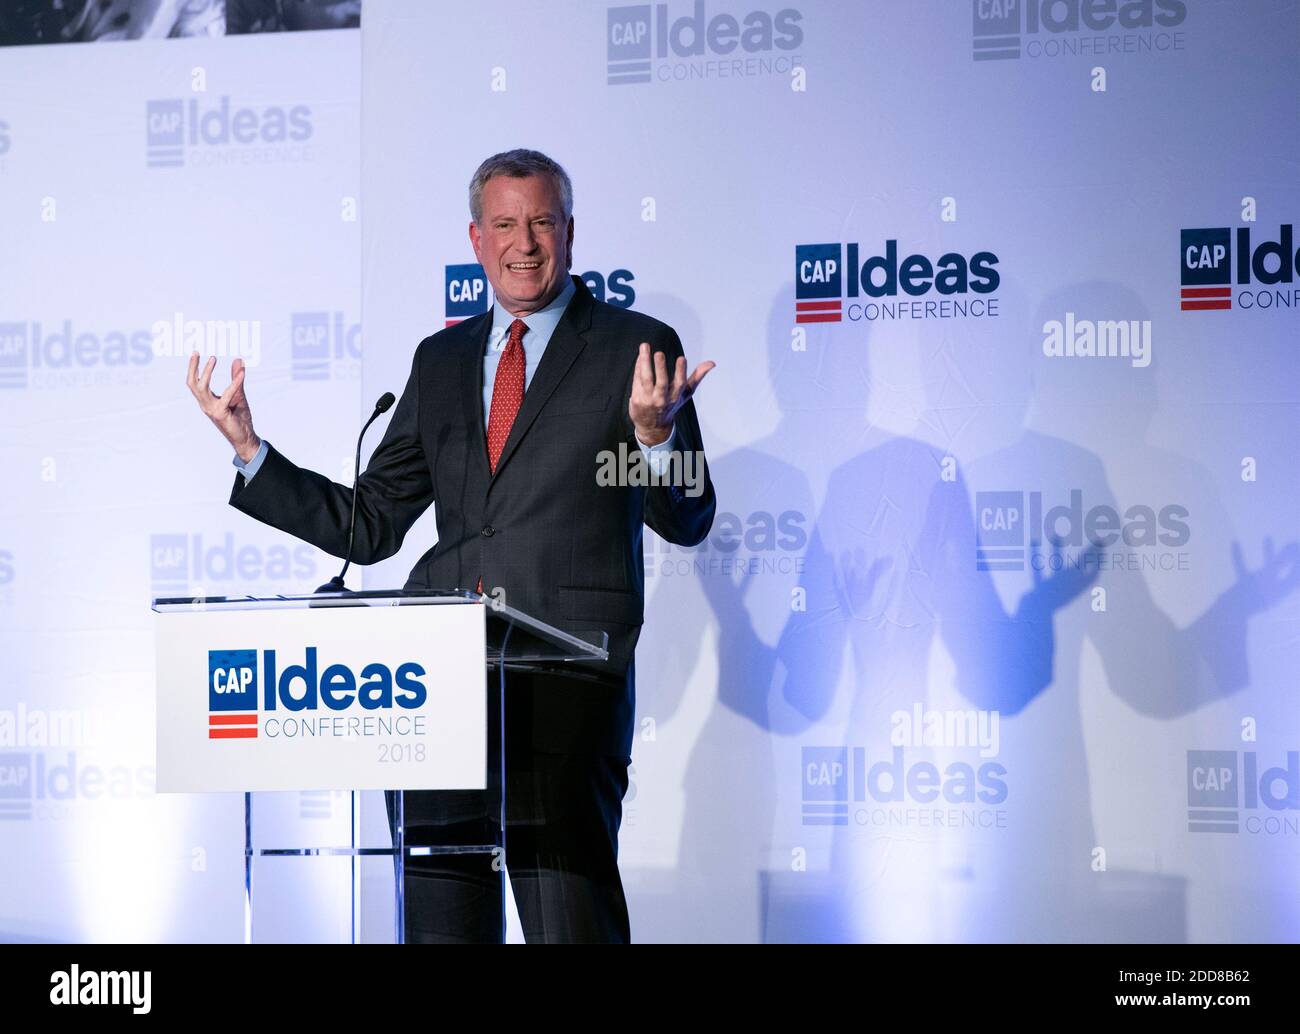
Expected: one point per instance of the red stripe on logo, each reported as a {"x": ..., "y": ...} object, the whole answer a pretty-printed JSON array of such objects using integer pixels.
[
  {"x": 232, "y": 719},
  {"x": 817, "y": 317},
  {"x": 1225, "y": 304},
  {"x": 1207, "y": 292},
  {"x": 232, "y": 734},
  {"x": 811, "y": 306}
]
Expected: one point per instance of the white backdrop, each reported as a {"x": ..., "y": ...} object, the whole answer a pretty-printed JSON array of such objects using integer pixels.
[
  {"x": 866, "y": 123},
  {"x": 860, "y": 464}
]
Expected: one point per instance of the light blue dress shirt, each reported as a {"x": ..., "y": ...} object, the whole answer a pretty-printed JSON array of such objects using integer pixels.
[{"x": 541, "y": 326}]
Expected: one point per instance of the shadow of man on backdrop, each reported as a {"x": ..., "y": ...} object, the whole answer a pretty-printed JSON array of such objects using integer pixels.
[
  {"x": 889, "y": 571},
  {"x": 892, "y": 570},
  {"x": 879, "y": 570},
  {"x": 745, "y": 574},
  {"x": 1149, "y": 631}
]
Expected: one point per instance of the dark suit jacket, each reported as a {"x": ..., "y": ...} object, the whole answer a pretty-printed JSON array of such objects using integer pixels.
[{"x": 563, "y": 547}]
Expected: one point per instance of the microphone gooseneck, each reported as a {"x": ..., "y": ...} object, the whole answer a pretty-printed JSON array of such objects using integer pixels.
[{"x": 336, "y": 584}]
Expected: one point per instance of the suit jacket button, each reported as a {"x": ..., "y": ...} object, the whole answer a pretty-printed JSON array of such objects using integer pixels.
[{"x": 488, "y": 531}]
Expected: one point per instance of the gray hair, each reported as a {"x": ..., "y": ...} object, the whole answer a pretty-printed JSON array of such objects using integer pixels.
[{"x": 519, "y": 164}]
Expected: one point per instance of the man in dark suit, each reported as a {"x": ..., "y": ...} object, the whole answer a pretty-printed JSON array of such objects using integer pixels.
[{"x": 503, "y": 424}]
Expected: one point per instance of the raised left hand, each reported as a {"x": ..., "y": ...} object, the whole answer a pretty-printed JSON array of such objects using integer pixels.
[{"x": 656, "y": 398}]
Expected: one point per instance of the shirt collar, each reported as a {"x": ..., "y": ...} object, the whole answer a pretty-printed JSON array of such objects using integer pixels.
[{"x": 549, "y": 316}]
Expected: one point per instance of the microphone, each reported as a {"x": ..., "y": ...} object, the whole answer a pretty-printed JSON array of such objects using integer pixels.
[{"x": 335, "y": 584}]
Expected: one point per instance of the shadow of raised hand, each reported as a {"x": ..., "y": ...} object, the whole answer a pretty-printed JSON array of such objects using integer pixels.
[
  {"x": 1021, "y": 658},
  {"x": 745, "y": 662},
  {"x": 1277, "y": 577},
  {"x": 855, "y": 583},
  {"x": 1052, "y": 592},
  {"x": 727, "y": 598},
  {"x": 1220, "y": 635}
]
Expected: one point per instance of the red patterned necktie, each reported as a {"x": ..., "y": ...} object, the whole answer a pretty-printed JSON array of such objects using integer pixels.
[
  {"x": 507, "y": 397},
  {"x": 507, "y": 393}
]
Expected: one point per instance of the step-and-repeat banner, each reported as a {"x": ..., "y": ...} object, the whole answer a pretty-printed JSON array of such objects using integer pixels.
[
  {"x": 163, "y": 188},
  {"x": 996, "y": 631}
]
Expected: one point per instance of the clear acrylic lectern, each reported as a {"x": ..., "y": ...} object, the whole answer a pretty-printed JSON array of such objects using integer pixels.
[{"x": 514, "y": 641}]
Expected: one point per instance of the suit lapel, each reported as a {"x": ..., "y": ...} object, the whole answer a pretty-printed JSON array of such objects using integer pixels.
[
  {"x": 471, "y": 379},
  {"x": 561, "y": 351}
]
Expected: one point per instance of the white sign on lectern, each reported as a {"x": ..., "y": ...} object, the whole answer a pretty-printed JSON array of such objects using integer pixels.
[{"x": 328, "y": 698}]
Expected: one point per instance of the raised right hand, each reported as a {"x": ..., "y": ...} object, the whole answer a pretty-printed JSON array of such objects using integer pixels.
[{"x": 229, "y": 410}]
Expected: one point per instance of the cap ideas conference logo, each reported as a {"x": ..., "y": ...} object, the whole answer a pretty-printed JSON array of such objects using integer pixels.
[
  {"x": 1208, "y": 274},
  {"x": 165, "y": 132},
  {"x": 826, "y": 786},
  {"x": 629, "y": 44},
  {"x": 1001, "y": 544},
  {"x": 63, "y": 355},
  {"x": 1011, "y": 526},
  {"x": 169, "y": 564},
  {"x": 298, "y": 701},
  {"x": 49, "y": 782},
  {"x": 1010, "y": 29},
  {"x": 322, "y": 342},
  {"x": 819, "y": 283},
  {"x": 181, "y": 562},
  {"x": 663, "y": 42},
  {"x": 762, "y": 542},
  {"x": 832, "y": 283},
  {"x": 997, "y": 29},
  {"x": 907, "y": 785},
  {"x": 216, "y": 133},
  {"x": 1227, "y": 790},
  {"x": 15, "y": 785},
  {"x": 232, "y": 694},
  {"x": 466, "y": 293},
  {"x": 53, "y": 761},
  {"x": 13, "y": 355}
]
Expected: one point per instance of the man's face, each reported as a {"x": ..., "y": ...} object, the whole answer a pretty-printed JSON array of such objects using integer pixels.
[{"x": 523, "y": 243}]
